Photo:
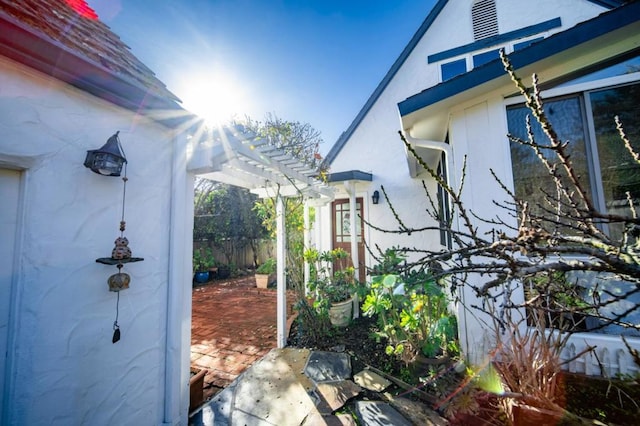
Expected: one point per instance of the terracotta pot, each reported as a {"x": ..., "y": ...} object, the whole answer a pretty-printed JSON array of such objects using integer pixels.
[
  {"x": 527, "y": 415},
  {"x": 340, "y": 313},
  {"x": 420, "y": 364},
  {"x": 196, "y": 385},
  {"x": 263, "y": 280}
]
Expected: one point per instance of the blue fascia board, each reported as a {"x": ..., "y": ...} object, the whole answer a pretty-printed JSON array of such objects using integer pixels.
[
  {"x": 344, "y": 137},
  {"x": 608, "y": 3},
  {"x": 557, "y": 43},
  {"x": 350, "y": 175},
  {"x": 495, "y": 40}
]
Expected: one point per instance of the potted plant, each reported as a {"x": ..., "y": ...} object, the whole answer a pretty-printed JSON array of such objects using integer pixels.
[
  {"x": 333, "y": 283},
  {"x": 196, "y": 385},
  {"x": 203, "y": 261},
  {"x": 266, "y": 273}
]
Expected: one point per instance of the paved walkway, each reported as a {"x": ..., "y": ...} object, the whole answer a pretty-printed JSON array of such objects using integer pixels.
[
  {"x": 233, "y": 325},
  {"x": 294, "y": 387}
]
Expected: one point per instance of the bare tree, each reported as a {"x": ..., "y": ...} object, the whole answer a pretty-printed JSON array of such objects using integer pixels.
[{"x": 560, "y": 233}]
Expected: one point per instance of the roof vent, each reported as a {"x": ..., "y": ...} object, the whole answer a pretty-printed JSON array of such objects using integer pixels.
[{"x": 485, "y": 19}]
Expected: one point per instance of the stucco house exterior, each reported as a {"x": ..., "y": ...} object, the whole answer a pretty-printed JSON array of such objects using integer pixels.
[
  {"x": 449, "y": 95},
  {"x": 75, "y": 352}
]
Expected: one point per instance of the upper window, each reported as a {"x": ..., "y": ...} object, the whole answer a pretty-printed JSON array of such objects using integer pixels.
[
  {"x": 586, "y": 120},
  {"x": 484, "y": 16},
  {"x": 484, "y": 57},
  {"x": 451, "y": 69}
]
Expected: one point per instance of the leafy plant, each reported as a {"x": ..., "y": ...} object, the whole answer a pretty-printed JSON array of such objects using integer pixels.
[
  {"x": 268, "y": 267},
  {"x": 203, "y": 260},
  {"x": 413, "y": 314}
]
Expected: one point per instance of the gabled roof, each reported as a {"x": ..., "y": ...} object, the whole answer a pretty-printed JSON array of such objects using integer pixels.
[
  {"x": 426, "y": 24},
  {"x": 610, "y": 36},
  {"x": 65, "y": 39}
]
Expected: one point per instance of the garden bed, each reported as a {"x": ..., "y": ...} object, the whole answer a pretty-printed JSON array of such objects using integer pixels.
[{"x": 612, "y": 402}]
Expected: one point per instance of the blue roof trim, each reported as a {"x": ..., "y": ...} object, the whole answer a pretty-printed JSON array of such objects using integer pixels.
[
  {"x": 342, "y": 140},
  {"x": 608, "y": 3},
  {"x": 492, "y": 41},
  {"x": 350, "y": 175},
  {"x": 557, "y": 43}
]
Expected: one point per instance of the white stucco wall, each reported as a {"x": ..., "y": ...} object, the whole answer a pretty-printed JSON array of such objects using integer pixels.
[{"x": 64, "y": 368}]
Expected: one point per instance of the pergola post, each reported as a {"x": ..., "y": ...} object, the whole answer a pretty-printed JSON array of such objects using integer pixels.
[
  {"x": 353, "y": 230},
  {"x": 306, "y": 245},
  {"x": 281, "y": 284}
]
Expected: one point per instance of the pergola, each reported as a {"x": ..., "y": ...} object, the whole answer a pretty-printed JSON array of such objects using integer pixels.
[{"x": 235, "y": 156}]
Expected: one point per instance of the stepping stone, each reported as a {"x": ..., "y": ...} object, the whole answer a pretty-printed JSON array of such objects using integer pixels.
[
  {"x": 297, "y": 360},
  {"x": 377, "y": 413},
  {"x": 328, "y": 367},
  {"x": 334, "y": 395},
  {"x": 316, "y": 419},
  {"x": 270, "y": 392},
  {"x": 416, "y": 412},
  {"x": 372, "y": 381}
]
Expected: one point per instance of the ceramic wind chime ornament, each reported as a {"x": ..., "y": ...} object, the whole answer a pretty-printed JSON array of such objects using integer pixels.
[{"x": 121, "y": 253}]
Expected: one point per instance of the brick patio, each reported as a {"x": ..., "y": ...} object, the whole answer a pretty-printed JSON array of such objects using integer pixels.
[{"x": 233, "y": 325}]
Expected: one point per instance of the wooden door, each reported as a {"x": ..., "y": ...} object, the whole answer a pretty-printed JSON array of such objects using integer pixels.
[{"x": 341, "y": 215}]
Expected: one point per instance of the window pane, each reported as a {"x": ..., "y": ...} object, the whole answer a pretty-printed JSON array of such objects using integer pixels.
[
  {"x": 531, "y": 179},
  {"x": 527, "y": 43},
  {"x": 625, "y": 67},
  {"x": 620, "y": 173},
  {"x": 454, "y": 68},
  {"x": 485, "y": 57}
]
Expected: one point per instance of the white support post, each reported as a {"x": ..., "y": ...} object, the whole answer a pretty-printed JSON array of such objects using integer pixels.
[
  {"x": 353, "y": 230},
  {"x": 306, "y": 246},
  {"x": 282, "y": 284}
]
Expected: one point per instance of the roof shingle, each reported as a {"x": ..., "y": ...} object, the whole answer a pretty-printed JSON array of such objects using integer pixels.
[{"x": 74, "y": 25}]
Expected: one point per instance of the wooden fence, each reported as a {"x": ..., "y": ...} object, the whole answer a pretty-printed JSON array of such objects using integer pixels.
[{"x": 242, "y": 256}]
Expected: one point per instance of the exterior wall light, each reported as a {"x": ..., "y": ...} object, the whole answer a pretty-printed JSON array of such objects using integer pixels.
[
  {"x": 108, "y": 160},
  {"x": 375, "y": 197}
]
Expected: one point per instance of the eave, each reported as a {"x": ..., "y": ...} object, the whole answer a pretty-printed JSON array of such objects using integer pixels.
[{"x": 24, "y": 45}]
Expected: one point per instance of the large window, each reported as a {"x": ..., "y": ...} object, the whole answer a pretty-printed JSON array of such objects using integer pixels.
[{"x": 586, "y": 121}]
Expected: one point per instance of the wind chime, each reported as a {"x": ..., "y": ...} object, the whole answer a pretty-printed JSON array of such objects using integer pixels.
[{"x": 109, "y": 161}]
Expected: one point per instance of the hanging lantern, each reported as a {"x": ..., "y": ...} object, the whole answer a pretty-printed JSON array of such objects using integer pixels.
[{"x": 108, "y": 160}]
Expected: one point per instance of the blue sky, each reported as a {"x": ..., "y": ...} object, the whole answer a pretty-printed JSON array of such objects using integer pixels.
[{"x": 312, "y": 61}]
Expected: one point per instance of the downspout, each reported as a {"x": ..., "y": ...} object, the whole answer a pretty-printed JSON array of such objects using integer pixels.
[
  {"x": 350, "y": 187},
  {"x": 281, "y": 255},
  {"x": 448, "y": 155},
  {"x": 178, "y": 321}
]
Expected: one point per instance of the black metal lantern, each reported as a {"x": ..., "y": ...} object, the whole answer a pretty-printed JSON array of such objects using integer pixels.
[
  {"x": 108, "y": 160},
  {"x": 375, "y": 197}
]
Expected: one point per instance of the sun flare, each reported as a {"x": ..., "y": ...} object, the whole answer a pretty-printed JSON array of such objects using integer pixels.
[{"x": 214, "y": 96}]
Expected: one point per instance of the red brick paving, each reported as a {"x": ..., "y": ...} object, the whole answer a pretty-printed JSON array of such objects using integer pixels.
[{"x": 233, "y": 324}]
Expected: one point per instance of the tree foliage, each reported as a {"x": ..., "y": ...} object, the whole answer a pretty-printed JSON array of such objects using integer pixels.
[{"x": 225, "y": 219}]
